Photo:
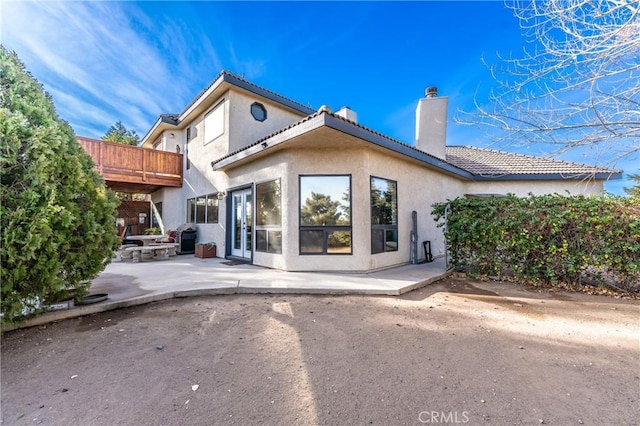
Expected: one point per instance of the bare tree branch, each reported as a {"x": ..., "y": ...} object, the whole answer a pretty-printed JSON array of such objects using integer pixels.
[{"x": 576, "y": 83}]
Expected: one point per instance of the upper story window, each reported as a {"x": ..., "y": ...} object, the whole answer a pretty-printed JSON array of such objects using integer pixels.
[
  {"x": 384, "y": 215},
  {"x": 258, "y": 111},
  {"x": 214, "y": 123},
  {"x": 325, "y": 214}
]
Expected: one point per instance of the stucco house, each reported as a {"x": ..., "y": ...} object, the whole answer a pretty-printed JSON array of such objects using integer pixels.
[{"x": 278, "y": 184}]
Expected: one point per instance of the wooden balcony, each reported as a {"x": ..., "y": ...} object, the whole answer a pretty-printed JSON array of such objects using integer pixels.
[{"x": 131, "y": 169}]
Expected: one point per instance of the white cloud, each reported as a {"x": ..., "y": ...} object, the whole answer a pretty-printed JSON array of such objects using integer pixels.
[{"x": 107, "y": 61}]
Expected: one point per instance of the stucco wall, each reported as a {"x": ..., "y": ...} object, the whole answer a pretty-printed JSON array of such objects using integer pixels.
[
  {"x": 273, "y": 167},
  {"x": 198, "y": 180},
  {"x": 330, "y": 161},
  {"x": 418, "y": 188},
  {"x": 173, "y": 208},
  {"x": 244, "y": 129},
  {"x": 536, "y": 187},
  {"x": 170, "y": 138},
  {"x": 201, "y": 152},
  {"x": 240, "y": 129}
]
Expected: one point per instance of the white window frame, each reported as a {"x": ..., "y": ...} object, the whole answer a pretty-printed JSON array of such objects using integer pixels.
[{"x": 213, "y": 123}]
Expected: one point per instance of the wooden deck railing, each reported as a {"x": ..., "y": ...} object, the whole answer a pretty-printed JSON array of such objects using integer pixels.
[{"x": 125, "y": 164}]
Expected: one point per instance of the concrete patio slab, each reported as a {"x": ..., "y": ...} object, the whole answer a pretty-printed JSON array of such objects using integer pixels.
[{"x": 129, "y": 284}]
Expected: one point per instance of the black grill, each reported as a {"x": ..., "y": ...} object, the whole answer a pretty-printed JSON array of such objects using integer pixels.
[{"x": 186, "y": 236}]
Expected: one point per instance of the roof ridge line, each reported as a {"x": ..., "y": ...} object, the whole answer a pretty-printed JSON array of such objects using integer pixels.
[
  {"x": 225, "y": 72},
  {"x": 262, "y": 88}
]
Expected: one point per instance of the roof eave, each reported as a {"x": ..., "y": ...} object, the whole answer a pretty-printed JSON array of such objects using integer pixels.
[
  {"x": 160, "y": 125},
  {"x": 269, "y": 143},
  {"x": 156, "y": 126},
  {"x": 201, "y": 97},
  {"x": 345, "y": 127}
]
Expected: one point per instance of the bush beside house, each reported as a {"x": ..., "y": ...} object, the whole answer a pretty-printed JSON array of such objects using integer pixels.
[
  {"x": 547, "y": 239},
  {"x": 57, "y": 218}
]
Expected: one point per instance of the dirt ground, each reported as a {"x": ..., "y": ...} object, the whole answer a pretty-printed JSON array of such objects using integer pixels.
[{"x": 455, "y": 352}]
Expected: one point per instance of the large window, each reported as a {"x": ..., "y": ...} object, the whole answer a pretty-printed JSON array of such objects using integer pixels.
[
  {"x": 384, "y": 215},
  {"x": 214, "y": 123},
  {"x": 203, "y": 209},
  {"x": 325, "y": 214},
  {"x": 269, "y": 217}
]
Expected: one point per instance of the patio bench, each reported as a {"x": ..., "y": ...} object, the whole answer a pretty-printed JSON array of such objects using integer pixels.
[
  {"x": 120, "y": 253},
  {"x": 172, "y": 249},
  {"x": 157, "y": 251}
]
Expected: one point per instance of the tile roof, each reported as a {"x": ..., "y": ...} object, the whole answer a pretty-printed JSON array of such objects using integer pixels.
[
  {"x": 487, "y": 162},
  {"x": 471, "y": 161},
  {"x": 320, "y": 111}
]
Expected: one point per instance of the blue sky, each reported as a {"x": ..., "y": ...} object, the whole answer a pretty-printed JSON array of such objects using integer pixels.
[{"x": 131, "y": 61}]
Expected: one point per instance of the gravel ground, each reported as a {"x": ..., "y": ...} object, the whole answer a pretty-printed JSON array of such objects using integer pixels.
[{"x": 457, "y": 351}]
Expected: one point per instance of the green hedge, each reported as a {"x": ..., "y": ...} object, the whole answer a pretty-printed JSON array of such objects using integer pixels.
[{"x": 548, "y": 239}]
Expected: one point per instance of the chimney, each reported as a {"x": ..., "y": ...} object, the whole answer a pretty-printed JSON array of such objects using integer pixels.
[
  {"x": 431, "y": 123},
  {"x": 348, "y": 113}
]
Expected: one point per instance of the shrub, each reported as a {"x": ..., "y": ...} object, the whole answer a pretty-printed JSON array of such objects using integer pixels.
[
  {"x": 57, "y": 218},
  {"x": 549, "y": 239}
]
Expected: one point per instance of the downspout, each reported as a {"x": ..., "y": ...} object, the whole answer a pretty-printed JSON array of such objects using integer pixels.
[{"x": 414, "y": 238}]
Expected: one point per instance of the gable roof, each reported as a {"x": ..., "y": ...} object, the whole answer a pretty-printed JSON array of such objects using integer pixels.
[
  {"x": 223, "y": 79},
  {"x": 231, "y": 78},
  {"x": 465, "y": 162}
]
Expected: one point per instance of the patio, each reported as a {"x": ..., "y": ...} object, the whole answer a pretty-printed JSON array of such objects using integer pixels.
[{"x": 129, "y": 284}]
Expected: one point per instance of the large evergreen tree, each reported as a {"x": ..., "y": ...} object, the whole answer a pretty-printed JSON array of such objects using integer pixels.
[
  {"x": 57, "y": 218},
  {"x": 120, "y": 134},
  {"x": 320, "y": 209}
]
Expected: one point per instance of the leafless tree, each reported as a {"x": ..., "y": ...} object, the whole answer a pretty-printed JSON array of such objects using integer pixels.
[{"x": 576, "y": 85}]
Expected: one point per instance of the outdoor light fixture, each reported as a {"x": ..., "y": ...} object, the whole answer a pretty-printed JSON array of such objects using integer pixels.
[
  {"x": 171, "y": 135},
  {"x": 178, "y": 149},
  {"x": 264, "y": 144},
  {"x": 221, "y": 195}
]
